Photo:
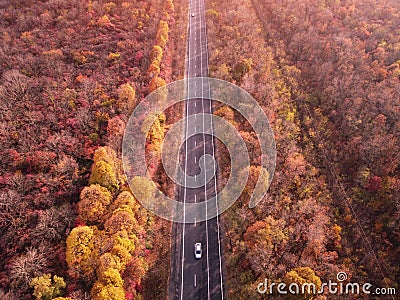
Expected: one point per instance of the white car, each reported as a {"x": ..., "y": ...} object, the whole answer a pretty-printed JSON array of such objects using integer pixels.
[
  {"x": 192, "y": 14},
  {"x": 197, "y": 250}
]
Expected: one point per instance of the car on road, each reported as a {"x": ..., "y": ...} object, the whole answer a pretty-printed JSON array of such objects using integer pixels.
[
  {"x": 192, "y": 14},
  {"x": 197, "y": 250}
]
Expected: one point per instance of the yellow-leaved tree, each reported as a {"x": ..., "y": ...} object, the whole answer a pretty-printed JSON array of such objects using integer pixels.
[
  {"x": 46, "y": 288},
  {"x": 104, "y": 174},
  {"x": 113, "y": 178},
  {"x": 95, "y": 200},
  {"x": 304, "y": 278},
  {"x": 156, "y": 54},
  {"x": 126, "y": 97},
  {"x": 162, "y": 34},
  {"x": 81, "y": 253},
  {"x": 101, "y": 291}
]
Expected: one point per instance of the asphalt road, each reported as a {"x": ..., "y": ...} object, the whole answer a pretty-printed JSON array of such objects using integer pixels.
[{"x": 193, "y": 278}]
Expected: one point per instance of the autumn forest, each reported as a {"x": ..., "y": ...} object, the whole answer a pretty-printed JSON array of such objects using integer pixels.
[{"x": 325, "y": 72}]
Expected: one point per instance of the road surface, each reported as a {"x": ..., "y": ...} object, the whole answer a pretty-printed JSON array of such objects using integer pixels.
[{"x": 193, "y": 278}]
